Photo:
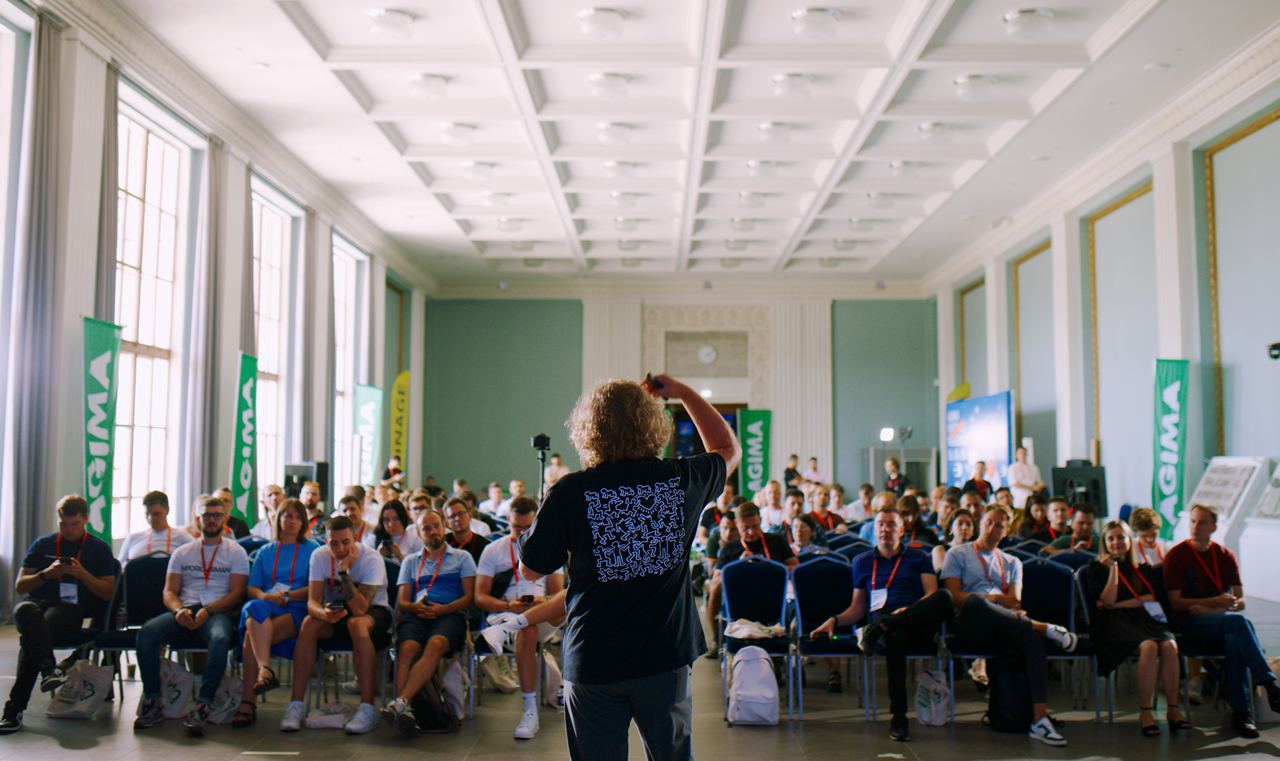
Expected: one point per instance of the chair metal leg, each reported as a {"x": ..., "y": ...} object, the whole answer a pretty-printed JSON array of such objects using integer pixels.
[{"x": 951, "y": 685}]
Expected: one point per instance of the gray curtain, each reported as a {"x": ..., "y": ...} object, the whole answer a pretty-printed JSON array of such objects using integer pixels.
[
  {"x": 35, "y": 311},
  {"x": 105, "y": 291}
]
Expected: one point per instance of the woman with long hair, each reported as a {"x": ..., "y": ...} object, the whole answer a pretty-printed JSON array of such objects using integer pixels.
[
  {"x": 961, "y": 529},
  {"x": 392, "y": 538}
]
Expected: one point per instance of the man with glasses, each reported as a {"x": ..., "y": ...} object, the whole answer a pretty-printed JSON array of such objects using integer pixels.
[
  {"x": 205, "y": 584},
  {"x": 504, "y": 594},
  {"x": 460, "y": 534},
  {"x": 310, "y": 498}
]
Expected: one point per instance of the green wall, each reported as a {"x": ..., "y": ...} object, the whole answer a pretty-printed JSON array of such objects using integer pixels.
[
  {"x": 395, "y": 359},
  {"x": 884, "y": 364},
  {"x": 499, "y": 372}
]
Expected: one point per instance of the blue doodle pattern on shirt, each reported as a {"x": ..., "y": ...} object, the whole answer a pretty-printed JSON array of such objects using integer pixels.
[{"x": 637, "y": 530}]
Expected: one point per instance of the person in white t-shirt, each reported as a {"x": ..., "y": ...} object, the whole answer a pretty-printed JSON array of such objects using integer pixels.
[
  {"x": 516, "y": 489},
  {"x": 812, "y": 474},
  {"x": 504, "y": 595},
  {"x": 772, "y": 513},
  {"x": 204, "y": 585},
  {"x": 347, "y": 607},
  {"x": 490, "y": 506},
  {"x": 272, "y": 498},
  {"x": 1148, "y": 545},
  {"x": 159, "y": 538},
  {"x": 350, "y": 506},
  {"x": 1024, "y": 479}
]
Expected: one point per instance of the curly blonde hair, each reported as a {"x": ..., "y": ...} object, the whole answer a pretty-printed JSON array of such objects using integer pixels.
[{"x": 617, "y": 420}]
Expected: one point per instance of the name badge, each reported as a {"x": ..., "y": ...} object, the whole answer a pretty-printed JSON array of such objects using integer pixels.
[
  {"x": 278, "y": 588},
  {"x": 1155, "y": 611},
  {"x": 878, "y": 598},
  {"x": 68, "y": 592},
  {"x": 421, "y": 596},
  {"x": 208, "y": 596}
]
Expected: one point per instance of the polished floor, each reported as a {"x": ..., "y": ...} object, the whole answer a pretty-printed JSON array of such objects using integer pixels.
[{"x": 833, "y": 728}]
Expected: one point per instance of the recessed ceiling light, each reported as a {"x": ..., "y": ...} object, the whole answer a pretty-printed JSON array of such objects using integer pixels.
[
  {"x": 478, "y": 170},
  {"x": 792, "y": 85},
  {"x": 761, "y": 170},
  {"x": 750, "y": 199},
  {"x": 619, "y": 169},
  {"x": 1156, "y": 66},
  {"x": 1028, "y": 23},
  {"x": 971, "y": 87},
  {"x": 742, "y": 224},
  {"x": 735, "y": 245},
  {"x": 1040, "y": 157},
  {"x": 510, "y": 224},
  {"x": 628, "y": 245},
  {"x": 931, "y": 131},
  {"x": 879, "y": 200},
  {"x": 428, "y": 86},
  {"x": 623, "y": 199},
  {"x": 532, "y": 263},
  {"x": 899, "y": 168},
  {"x": 495, "y": 198},
  {"x": 828, "y": 262},
  {"x": 857, "y": 224},
  {"x": 774, "y": 132},
  {"x": 387, "y": 22},
  {"x": 625, "y": 224},
  {"x": 604, "y": 85},
  {"x": 601, "y": 23},
  {"x": 844, "y": 245},
  {"x": 522, "y": 245},
  {"x": 729, "y": 262},
  {"x": 816, "y": 23},
  {"x": 631, "y": 262},
  {"x": 613, "y": 133},
  {"x": 456, "y": 133}
]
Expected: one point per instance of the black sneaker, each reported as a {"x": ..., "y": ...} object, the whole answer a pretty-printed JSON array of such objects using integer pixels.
[
  {"x": 1273, "y": 695},
  {"x": 150, "y": 713},
  {"x": 196, "y": 720},
  {"x": 834, "y": 682},
  {"x": 53, "y": 680},
  {"x": 899, "y": 729},
  {"x": 1244, "y": 725},
  {"x": 10, "y": 722}
]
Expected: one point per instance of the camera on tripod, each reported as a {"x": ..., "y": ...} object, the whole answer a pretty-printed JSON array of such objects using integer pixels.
[{"x": 541, "y": 442}]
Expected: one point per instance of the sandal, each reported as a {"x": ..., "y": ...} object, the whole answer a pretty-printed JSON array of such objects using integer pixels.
[
  {"x": 263, "y": 686},
  {"x": 244, "y": 718},
  {"x": 1178, "y": 725},
  {"x": 1152, "y": 729}
]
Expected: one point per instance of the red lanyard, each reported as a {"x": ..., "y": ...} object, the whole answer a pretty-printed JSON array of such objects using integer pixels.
[
  {"x": 1052, "y": 534},
  {"x": 1143, "y": 549},
  {"x": 875, "y": 564},
  {"x": 763, "y": 544},
  {"x": 421, "y": 563},
  {"x": 311, "y": 526},
  {"x": 912, "y": 543},
  {"x": 515, "y": 567},
  {"x": 57, "y": 546},
  {"x": 208, "y": 569},
  {"x": 1129, "y": 586},
  {"x": 276, "y": 566},
  {"x": 828, "y": 522},
  {"x": 168, "y": 541},
  {"x": 1216, "y": 575},
  {"x": 360, "y": 533},
  {"x": 986, "y": 571}
]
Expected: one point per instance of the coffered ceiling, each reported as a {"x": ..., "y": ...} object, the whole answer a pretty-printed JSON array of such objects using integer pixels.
[{"x": 553, "y": 138}]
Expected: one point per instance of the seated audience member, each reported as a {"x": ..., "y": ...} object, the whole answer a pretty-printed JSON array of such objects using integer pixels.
[
  {"x": 917, "y": 534},
  {"x": 1082, "y": 537},
  {"x": 496, "y": 498},
  {"x": 972, "y": 501},
  {"x": 867, "y": 531},
  {"x": 725, "y": 533},
  {"x": 436, "y": 587},
  {"x": 902, "y": 603},
  {"x": 1129, "y": 621},
  {"x": 1146, "y": 524},
  {"x": 773, "y": 513},
  {"x": 985, "y": 583},
  {"x": 158, "y": 538},
  {"x": 482, "y": 524},
  {"x": 239, "y": 529},
  {"x": 803, "y": 529},
  {"x": 961, "y": 529},
  {"x": 391, "y": 538},
  {"x": 351, "y": 507},
  {"x": 277, "y": 604},
  {"x": 711, "y": 515},
  {"x": 460, "y": 535},
  {"x": 820, "y": 500},
  {"x": 417, "y": 506},
  {"x": 1034, "y": 517},
  {"x": 946, "y": 509},
  {"x": 432, "y": 488},
  {"x": 554, "y": 471},
  {"x": 346, "y": 605},
  {"x": 203, "y": 588},
  {"x": 272, "y": 498},
  {"x": 895, "y": 480},
  {"x": 860, "y": 509},
  {"x": 392, "y": 475},
  {"x": 310, "y": 498},
  {"x": 1059, "y": 521},
  {"x": 1202, "y": 579},
  {"x": 459, "y": 486},
  {"x": 754, "y": 541},
  {"x": 516, "y": 488},
  {"x": 504, "y": 595},
  {"x": 978, "y": 482},
  {"x": 935, "y": 504},
  {"x": 1004, "y": 497},
  {"x": 66, "y": 576}
]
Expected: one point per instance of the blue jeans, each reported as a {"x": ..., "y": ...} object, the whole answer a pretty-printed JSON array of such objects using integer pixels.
[
  {"x": 1233, "y": 634},
  {"x": 217, "y": 634}
]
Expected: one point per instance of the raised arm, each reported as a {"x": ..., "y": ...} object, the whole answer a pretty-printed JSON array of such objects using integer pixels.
[{"x": 712, "y": 429}]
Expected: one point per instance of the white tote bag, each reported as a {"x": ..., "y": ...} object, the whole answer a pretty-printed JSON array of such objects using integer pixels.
[
  {"x": 176, "y": 684},
  {"x": 932, "y": 698},
  {"x": 83, "y": 693}
]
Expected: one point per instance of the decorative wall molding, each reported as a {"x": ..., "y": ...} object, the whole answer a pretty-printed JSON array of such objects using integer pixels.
[
  {"x": 686, "y": 290},
  {"x": 755, "y": 320}
]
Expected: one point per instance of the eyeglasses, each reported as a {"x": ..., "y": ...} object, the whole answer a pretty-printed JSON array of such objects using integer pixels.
[{"x": 210, "y": 516}]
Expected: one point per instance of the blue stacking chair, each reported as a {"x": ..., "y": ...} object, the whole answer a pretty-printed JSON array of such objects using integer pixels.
[
  {"x": 823, "y": 588},
  {"x": 754, "y": 589},
  {"x": 1075, "y": 559},
  {"x": 1030, "y": 545},
  {"x": 252, "y": 544},
  {"x": 852, "y": 551},
  {"x": 843, "y": 540},
  {"x": 1049, "y": 596}
]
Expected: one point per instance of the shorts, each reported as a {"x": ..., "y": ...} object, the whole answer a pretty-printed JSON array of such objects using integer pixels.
[
  {"x": 381, "y": 634},
  {"x": 452, "y": 627}
]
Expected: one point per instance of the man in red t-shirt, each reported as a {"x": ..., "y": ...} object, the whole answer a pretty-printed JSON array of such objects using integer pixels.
[{"x": 1205, "y": 592}]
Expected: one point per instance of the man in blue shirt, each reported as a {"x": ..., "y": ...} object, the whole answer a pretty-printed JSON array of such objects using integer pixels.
[
  {"x": 896, "y": 589},
  {"x": 66, "y": 576}
]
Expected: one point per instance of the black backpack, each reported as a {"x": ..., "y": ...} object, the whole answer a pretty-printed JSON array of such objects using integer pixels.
[
  {"x": 430, "y": 711},
  {"x": 1008, "y": 696}
]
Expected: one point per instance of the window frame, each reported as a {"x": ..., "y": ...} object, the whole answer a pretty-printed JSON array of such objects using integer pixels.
[{"x": 350, "y": 341}]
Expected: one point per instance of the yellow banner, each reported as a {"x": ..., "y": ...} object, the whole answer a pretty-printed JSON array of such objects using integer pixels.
[{"x": 400, "y": 417}]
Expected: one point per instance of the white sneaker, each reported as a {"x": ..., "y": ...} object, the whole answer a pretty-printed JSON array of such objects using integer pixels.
[
  {"x": 1042, "y": 730},
  {"x": 293, "y": 714},
  {"x": 1063, "y": 638},
  {"x": 528, "y": 726},
  {"x": 364, "y": 720},
  {"x": 400, "y": 715},
  {"x": 351, "y": 688}
]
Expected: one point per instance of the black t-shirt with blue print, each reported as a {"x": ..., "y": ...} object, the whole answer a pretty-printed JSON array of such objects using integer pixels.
[{"x": 623, "y": 530}]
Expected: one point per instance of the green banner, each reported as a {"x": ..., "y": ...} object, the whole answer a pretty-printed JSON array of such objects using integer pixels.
[
  {"x": 101, "y": 353},
  {"x": 1170, "y": 441},
  {"x": 244, "y": 458},
  {"x": 753, "y": 434},
  {"x": 400, "y": 419},
  {"x": 368, "y": 427}
]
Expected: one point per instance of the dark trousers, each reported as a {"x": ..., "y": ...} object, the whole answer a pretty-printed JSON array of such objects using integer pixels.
[
  {"x": 1234, "y": 635},
  {"x": 983, "y": 626},
  {"x": 598, "y": 717},
  {"x": 912, "y": 629},
  {"x": 40, "y": 623}
]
